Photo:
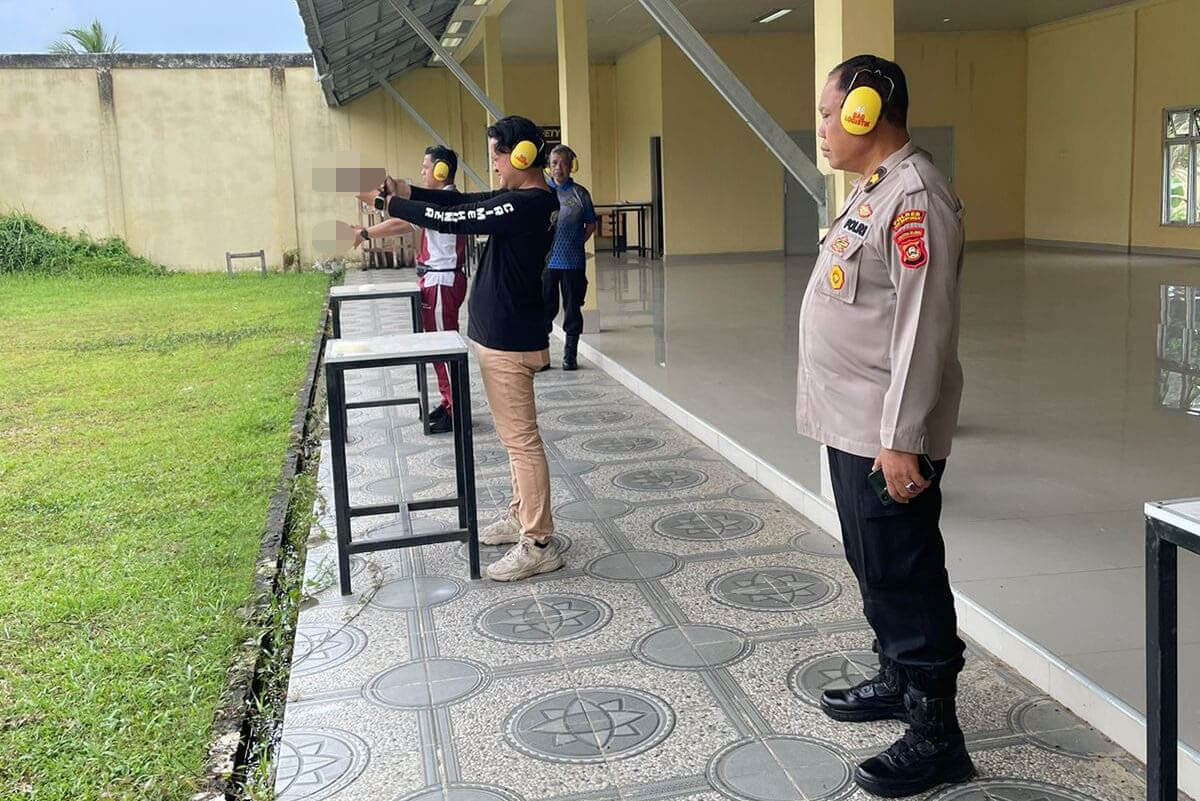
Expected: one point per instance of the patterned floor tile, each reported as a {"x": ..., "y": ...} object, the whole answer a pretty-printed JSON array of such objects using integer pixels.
[{"x": 679, "y": 654}]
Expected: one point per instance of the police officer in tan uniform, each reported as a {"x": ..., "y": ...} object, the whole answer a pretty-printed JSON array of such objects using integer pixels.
[{"x": 879, "y": 383}]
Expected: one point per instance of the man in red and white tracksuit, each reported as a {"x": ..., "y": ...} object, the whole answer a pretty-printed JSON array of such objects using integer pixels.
[
  {"x": 440, "y": 262},
  {"x": 440, "y": 269}
]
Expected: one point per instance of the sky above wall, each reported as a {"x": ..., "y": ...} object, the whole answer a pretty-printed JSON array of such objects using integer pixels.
[{"x": 155, "y": 26}]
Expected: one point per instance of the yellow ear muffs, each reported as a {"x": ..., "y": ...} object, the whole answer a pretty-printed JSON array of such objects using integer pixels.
[
  {"x": 523, "y": 155},
  {"x": 861, "y": 110},
  {"x": 441, "y": 170}
]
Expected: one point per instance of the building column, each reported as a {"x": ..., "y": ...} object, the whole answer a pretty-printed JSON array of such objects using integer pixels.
[
  {"x": 575, "y": 117},
  {"x": 845, "y": 28},
  {"x": 493, "y": 72}
]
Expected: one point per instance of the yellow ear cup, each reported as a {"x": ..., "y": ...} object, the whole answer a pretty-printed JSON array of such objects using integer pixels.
[
  {"x": 860, "y": 110},
  {"x": 441, "y": 170},
  {"x": 574, "y": 165},
  {"x": 523, "y": 155}
]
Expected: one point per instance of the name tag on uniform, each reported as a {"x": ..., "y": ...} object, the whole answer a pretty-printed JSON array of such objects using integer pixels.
[{"x": 856, "y": 227}]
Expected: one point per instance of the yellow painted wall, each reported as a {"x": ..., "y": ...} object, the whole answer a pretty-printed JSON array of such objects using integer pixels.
[
  {"x": 1079, "y": 131},
  {"x": 1168, "y": 74},
  {"x": 639, "y": 115},
  {"x": 1099, "y": 179},
  {"x": 603, "y": 80},
  {"x": 50, "y": 145},
  {"x": 973, "y": 82},
  {"x": 722, "y": 189}
]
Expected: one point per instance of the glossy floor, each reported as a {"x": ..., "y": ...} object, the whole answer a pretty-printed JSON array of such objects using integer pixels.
[{"x": 1080, "y": 371}]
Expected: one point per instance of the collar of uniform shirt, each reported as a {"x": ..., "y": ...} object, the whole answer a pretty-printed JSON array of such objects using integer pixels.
[{"x": 889, "y": 164}]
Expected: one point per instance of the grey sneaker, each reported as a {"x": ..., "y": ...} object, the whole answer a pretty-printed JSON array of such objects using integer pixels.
[
  {"x": 526, "y": 559},
  {"x": 501, "y": 531}
]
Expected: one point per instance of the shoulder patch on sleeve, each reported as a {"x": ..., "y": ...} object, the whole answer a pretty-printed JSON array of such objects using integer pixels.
[{"x": 908, "y": 233}]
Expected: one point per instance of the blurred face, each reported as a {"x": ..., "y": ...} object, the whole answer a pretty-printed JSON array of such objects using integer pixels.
[
  {"x": 843, "y": 151},
  {"x": 560, "y": 167},
  {"x": 509, "y": 175}
]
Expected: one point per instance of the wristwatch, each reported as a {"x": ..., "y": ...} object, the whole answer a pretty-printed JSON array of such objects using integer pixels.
[{"x": 365, "y": 236}]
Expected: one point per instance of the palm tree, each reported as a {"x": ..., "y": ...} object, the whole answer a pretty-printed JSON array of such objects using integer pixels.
[{"x": 92, "y": 39}]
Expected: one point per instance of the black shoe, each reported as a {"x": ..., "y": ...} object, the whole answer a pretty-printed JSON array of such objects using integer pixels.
[
  {"x": 569, "y": 351},
  {"x": 441, "y": 425},
  {"x": 438, "y": 413},
  {"x": 878, "y": 698},
  {"x": 931, "y": 752}
]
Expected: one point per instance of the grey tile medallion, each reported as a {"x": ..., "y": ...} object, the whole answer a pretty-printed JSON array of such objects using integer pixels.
[
  {"x": 313, "y": 764},
  {"x": 708, "y": 525},
  {"x": 773, "y": 589},
  {"x": 544, "y": 618},
  {"x": 323, "y": 646},
  {"x": 781, "y": 768},
  {"x": 1009, "y": 790},
  {"x": 831, "y": 671},
  {"x": 592, "y": 724}
]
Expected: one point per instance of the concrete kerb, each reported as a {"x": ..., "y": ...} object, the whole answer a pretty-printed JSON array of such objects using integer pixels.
[{"x": 228, "y": 741}]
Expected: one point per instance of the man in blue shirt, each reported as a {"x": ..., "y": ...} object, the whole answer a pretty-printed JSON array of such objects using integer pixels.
[{"x": 565, "y": 274}]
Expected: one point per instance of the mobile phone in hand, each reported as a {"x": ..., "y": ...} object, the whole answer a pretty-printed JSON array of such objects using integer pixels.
[{"x": 878, "y": 484}]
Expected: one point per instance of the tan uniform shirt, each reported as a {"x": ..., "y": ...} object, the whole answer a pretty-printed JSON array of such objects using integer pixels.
[{"x": 879, "y": 325}]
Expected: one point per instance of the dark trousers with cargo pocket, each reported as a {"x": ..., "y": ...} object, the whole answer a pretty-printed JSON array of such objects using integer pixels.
[
  {"x": 898, "y": 556},
  {"x": 572, "y": 285}
]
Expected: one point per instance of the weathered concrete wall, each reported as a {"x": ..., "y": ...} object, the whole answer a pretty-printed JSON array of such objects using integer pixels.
[{"x": 192, "y": 155}]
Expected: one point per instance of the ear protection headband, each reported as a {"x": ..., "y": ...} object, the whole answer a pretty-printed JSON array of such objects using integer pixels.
[
  {"x": 441, "y": 170},
  {"x": 524, "y": 154},
  {"x": 863, "y": 105}
]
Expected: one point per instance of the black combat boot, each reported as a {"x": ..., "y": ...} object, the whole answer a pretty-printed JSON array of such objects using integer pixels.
[
  {"x": 877, "y": 698},
  {"x": 569, "y": 349},
  {"x": 930, "y": 753}
]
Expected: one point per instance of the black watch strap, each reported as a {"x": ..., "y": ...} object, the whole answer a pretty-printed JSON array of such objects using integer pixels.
[{"x": 366, "y": 237}]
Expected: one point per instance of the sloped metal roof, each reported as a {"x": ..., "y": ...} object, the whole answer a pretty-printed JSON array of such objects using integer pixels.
[{"x": 353, "y": 39}]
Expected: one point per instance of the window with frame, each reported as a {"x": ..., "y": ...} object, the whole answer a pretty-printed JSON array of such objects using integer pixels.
[{"x": 1181, "y": 162}]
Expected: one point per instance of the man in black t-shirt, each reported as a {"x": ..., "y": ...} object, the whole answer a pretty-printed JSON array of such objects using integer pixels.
[{"x": 505, "y": 323}]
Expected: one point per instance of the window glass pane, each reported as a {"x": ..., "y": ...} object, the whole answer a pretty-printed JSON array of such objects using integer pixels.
[
  {"x": 1196, "y": 122},
  {"x": 1179, "y": 124},
  {"x": 1173, "y": 344},
  {"x": 1193, "y": 346},
  {"x": 1193, "y": 399},
  {"x": 1196, "y": 195},
  {"x": 1170, "y": 388},
  {"x": 1176, "y": 304},
  {"x": 1177, "y": 183}
]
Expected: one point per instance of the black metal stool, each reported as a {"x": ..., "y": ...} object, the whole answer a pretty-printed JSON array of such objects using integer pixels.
[
  {"x": 389, "y": 351},
  {"x": 400, "y": 289}
]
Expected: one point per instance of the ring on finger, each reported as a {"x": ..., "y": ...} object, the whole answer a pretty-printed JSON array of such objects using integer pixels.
[{"x": 910, "y": 486}]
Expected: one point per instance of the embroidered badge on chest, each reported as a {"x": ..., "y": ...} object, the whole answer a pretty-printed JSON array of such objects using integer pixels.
[
  {"x": 840, "y": 245},
  {"x": 865, "y": 211},
  {"x": 837, "y": 278},
  {"x": 908, "y": 232}
]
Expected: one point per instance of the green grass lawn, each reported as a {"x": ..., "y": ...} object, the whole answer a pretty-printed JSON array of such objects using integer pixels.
[{"x": 143, "y": 422}]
